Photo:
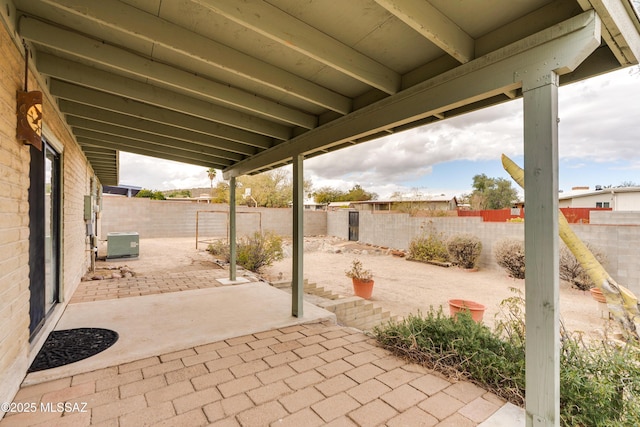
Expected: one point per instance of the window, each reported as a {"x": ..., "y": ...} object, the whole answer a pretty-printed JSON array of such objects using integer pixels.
[{"x": 602, "y": 204}]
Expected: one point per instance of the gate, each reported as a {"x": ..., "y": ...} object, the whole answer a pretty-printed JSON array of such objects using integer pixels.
[{"x": 353, "y": 226}]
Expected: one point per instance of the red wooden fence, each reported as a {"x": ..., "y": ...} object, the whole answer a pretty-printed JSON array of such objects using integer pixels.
[{"x": 573, "y": 215}]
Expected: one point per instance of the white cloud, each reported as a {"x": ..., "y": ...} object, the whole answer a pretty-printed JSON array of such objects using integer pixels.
[{"x": 600, "y": 122}]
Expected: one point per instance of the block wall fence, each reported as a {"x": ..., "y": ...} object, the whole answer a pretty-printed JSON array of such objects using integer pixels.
[
  {"x": 617, "y": 234},
  {"x": 166, "y": 218}
]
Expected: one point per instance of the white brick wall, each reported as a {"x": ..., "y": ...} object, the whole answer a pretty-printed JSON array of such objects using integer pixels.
[
  {"x": 15, "y": 349},
  {"x": 14, "y": 229}
]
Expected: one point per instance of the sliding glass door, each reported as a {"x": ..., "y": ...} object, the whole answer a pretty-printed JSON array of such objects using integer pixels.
[{"x": 44, "y": 235}]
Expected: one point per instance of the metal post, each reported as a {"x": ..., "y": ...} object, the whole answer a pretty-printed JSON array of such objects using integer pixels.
[
  {"x": 541, "y": 249},
  {"x": 297, "y": 281},
  {"x": 232, "y": 229}
]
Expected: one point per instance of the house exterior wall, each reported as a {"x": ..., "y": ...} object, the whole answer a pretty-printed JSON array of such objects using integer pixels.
[
  {"x": 618, "y": 200},
  {"x": 16, "y": 352},
  {"x": 626, "y": 201},
  {"x": 14, "y": 228},
  {"x": 589, "y": 201},
  {"x": 166, "y": 218}
]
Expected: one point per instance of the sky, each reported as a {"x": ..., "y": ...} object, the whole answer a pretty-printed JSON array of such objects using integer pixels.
[{"x": 599, "y": 144}]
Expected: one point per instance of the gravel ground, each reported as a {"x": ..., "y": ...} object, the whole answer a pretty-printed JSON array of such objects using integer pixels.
[
  {"x": 405, "y": 287},
  {"x": 401, "y": 286}
]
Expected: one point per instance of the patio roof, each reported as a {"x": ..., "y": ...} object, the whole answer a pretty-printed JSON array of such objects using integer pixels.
[{"x": 246, "y": 86}]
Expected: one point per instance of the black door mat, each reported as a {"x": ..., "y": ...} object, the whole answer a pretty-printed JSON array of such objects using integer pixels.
[{"x": 71, "y": 345}]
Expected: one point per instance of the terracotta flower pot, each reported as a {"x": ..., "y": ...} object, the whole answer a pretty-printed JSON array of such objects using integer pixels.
[
  {"x": 597, "y": 295},
  {"x": 362, "y": 288},
  {"x": 458, "y": 305}
]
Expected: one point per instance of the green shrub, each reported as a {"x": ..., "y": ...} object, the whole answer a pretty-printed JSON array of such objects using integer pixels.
[
  {"x": 464, "y": 250},
  {"x": 572, "y": 271},
  {"x": 599, "y": 381},
  {"x": 458, "y": 347},
  {"x": 429, "y": 247},
  {"x": 252, "y": 252},
  {"x": 509, "y": 254}
]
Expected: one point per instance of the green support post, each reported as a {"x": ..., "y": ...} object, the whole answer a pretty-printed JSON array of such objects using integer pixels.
[
  {"x": 297, "y": 281},
  {"x": 232, "y": 229}
]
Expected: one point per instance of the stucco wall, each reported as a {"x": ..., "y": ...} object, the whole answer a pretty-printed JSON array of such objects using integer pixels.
[
  {"x": 166, "y": 218},
  {"x": 16, "y": 353},
  {"x": 620, "y": 243}
]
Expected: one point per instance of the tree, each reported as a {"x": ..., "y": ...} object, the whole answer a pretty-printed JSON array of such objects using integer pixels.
[
  {"x": 327, "y": 195},
  {"x": 220, "y": 193},
  {"x": 211, "y": 172},
  {"x": 492, "y": 193},
  {"x": 273, "y": 189},
  {"x": 359, "y": 194},
  {"x": 150, "y": 194},
  {"x": 355, "y": 194}
]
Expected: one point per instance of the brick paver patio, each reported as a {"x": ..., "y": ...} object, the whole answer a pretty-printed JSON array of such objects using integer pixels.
[{"x": 305, "y": 375}]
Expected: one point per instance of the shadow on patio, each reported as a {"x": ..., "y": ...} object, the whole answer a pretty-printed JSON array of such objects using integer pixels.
[{"x": 192, "y": 352}]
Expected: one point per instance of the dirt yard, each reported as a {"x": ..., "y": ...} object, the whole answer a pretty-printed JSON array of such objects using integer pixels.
[
  {"x": 404, "y": 287},
  {"x": 401, "y": 286}
]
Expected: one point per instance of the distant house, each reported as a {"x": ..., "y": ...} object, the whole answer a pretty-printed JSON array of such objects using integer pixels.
[
  {"x": 121, "y": 190},
  {"x": 311, "y": 205},
  {"x": 334, "y": 206},
  {"x": 618, "y": 199},
  {"x": 431, "y": 203}
]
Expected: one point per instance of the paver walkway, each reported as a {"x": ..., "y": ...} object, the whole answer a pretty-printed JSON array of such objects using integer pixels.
[
  {"x": 307, "y": 375},
  {"x": 304, "y": 375},
  {"x": 98, "y": 290}
]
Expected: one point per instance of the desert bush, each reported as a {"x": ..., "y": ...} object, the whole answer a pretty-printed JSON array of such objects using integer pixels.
[
  {"x": 572, "y": 271},
  {"x": 464, "y": 250},
  {"x": 430, "y": 246},
  {"x": 509, "y": 254},
  {"x": 252, "y": 252},
  {"x": 599, "y": 381}
]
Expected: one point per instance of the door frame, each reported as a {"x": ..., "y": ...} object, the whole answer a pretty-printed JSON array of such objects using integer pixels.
[{"x": 38, "y": 312}]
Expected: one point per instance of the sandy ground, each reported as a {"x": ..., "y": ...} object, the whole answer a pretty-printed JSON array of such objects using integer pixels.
[
  {"x": 401, "y": 286},
  {"x": 162, "y": 256},
  {"x": 404, "y": 287}
]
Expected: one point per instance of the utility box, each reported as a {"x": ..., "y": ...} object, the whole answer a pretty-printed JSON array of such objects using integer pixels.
[{"x": 123, "y": 245}]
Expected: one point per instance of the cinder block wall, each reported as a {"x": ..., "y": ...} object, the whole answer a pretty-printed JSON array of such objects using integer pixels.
[
  {"x": 16, "y": 353},
  {"x": 338, "y": 223},
  {"x": 166, "y": 218},
  {"x": 620, "y": 243}
]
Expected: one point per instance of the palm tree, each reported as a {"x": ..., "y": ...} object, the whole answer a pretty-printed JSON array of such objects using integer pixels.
[{"x": 212, "y": 175}]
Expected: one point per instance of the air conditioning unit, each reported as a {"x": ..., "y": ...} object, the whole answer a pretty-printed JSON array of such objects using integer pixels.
[{"x": 123, "y": 245}]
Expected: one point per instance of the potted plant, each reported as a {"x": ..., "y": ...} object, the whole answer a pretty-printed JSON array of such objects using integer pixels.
[
  {"x": 362, "y": 279},
  {"x": 458, "y": 305},
  {"x": 596, "y": 294}
]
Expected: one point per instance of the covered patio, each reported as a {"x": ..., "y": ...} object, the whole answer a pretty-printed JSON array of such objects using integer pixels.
[
  {"x": 250, "y": 86},
  {"x": 192, "y": 351}
]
